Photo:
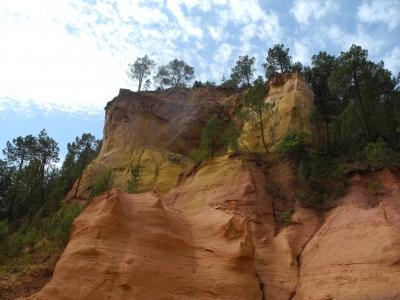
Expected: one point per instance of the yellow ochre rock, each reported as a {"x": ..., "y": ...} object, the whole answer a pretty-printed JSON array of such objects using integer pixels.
[{"x": 292, "y": 102}]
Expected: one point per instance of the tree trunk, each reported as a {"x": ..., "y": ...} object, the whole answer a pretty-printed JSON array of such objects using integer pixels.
[
  {"x": 140, "y": 83},
  {"x": 78, "y": 183},
  {"x": 364, "y": 117},
  {"x": 262, "y": 132}
]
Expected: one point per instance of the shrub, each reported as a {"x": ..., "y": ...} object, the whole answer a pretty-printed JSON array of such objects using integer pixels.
[
  {"x": 133, "y": 183},
  {"x": 378, "y": 154},
  {"x": 103, "y": 183},
  {"x": 340, "y": 181},
  {"x": 60, "y": 224},
  {"x": 199, "y": 155},
  {"x": 286, "y": 216},
  {"x": 294, "y": 144},
  {"x": 3, "y": 230},
  {"x": 375, "y": 187}
]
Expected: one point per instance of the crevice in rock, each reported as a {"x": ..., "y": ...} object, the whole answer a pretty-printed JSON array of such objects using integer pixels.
[
  {"x": 293, "y": 294},
  {"x": 262, "y": 286}
]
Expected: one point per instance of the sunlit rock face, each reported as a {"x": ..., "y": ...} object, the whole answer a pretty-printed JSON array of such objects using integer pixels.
[
  {"x": 214, "y": 237},
  {"x": 156, "y": 130},
  {"x": 213, "y": 231},
  {"x": 292, "y": 102}
]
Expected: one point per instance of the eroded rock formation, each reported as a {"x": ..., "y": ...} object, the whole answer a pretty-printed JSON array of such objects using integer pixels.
[{"x": 212, "y": 232}]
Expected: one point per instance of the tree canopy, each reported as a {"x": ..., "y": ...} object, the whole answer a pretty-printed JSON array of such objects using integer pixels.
[
  {"x": 278, "y": 61},
  {"x": 242, "y": 72},
  {"x": 176, "y": 73},
  {"x": 140, "y": 69}
]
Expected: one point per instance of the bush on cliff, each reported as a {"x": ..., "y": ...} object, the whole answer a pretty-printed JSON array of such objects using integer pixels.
[
  {"x": 103, "y": 183},
  {"x": 294, "y": 145},
  {"x": 133, "y": 183},
  {"x": 378, "y": 154}
]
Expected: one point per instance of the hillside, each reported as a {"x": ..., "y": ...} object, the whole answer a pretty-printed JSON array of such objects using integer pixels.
[{"x": 231, "y": 227}]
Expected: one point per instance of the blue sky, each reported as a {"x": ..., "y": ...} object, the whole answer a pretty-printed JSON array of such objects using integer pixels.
[{"x": 62, "y": 60}]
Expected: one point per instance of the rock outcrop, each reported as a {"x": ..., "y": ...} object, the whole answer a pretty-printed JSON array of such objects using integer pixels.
[
  {"x": 213, "y": 237},
  {"x": 292, "y": 102},
  {"x": 156, "y": 130},
  {"x": 213, "y": 231}
]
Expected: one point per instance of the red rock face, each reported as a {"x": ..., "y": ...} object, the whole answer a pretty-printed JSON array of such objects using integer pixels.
[
  {"x": 356, "y": 252},
  {"x": 213, "y": 237},
  {"x": 216, "y": 234}
]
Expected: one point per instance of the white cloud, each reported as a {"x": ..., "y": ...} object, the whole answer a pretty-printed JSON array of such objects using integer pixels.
[
  {"x": 361, "y": 37},
  {"x": 306, "y": 10},
  {"x": 190, "y": 28},
  {"x": 380, "y": 11},
  {"x": 301, "y": 52},
  {"x": 392, "y": 60},
  {"x": 223, "y": 53},
  {"x": 131, "y": 9},
  {"x": 216, "y": 32}
]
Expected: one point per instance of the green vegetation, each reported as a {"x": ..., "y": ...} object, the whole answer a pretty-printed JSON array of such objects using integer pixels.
[
  {"x": 294, "y": 144},
  {"x": 242, "y": 72},
  {"x": 140, "y": 70},
  {"x": 209, "y": 140},
  {"x": 176, "y": 73},
  {"x": 255, "y": 108},
  {"x": 33, "y": 219},
  {"x": 133, "y": 183},
  {"x": 285, "y": 217},
  {"x": 378, "y": 154},
  {"x": 103, "y": 183},
  {"x": 375, "y": 187}
]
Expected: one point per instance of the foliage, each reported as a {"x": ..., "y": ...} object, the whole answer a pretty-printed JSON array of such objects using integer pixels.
[
  {"x": 80, "y": 153},
  {"x": 58, "y": 227},
  {"x": 209, "y": 138},
  {"x": 198, "y": 84},
  {"x": 133, "y": 183},
  {"x": 278, "y": 61},
  {"x": 378, "y": 154},
  {"x": 294, "y": 144},
  {"x": 176, "y": 74},
  {"x": 199, "y": 155},
  {"x": 230, "y": 137},
  {"x": 31, "y": 190},
  {"x": 256, "y": 108},
  {"x": 230, "y": 84},
  {"x": 141, "y": 69},
  {"x": 243, "y": 71},
  {"x": 26, "y": 174},
  {"x": 375, "y": 187},
  {"x": 210, "y": 134},
  {"x": 286, "y": 216},
  {"x": 274, "y": 189},
  {"x": 103, "y": 183},
  {"x": 54, "y": 229}
]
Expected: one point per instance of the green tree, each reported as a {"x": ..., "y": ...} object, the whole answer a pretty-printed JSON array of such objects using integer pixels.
[
  {"x": 297, "y": 67},
  {"x": 244, "y": 70},
  {"x": 278, "y": 61},
  {"x": 176, "y": 74},
  {"x": 162, "y": 78},
  {"x": 209, "y": 136},
  {"x": 147, "y": 84},
  {"x": 140, "y": 69},
  {"x": 347, "y": 80},
  {"x": 322, "y": 66},
  {"x": 80, "y": 153},
  {"x": 256, "y": 108}
]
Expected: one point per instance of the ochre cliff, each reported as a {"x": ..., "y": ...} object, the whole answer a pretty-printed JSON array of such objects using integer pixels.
[
  {"x": 291, "y": 102},
  {"x": 156, "y": 130},
  {"x": 213, "y": 231}
]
